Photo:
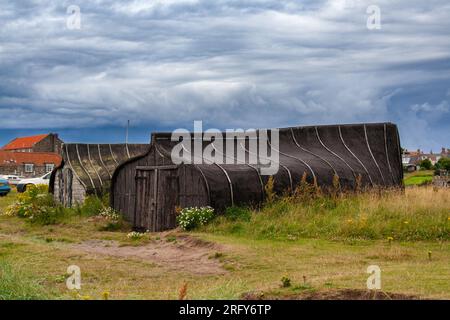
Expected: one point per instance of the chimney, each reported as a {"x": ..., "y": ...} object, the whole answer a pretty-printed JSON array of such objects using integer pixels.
[{"x": 443, "y": 151}]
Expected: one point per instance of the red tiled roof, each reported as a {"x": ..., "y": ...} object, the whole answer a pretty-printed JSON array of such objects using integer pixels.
[
  {"x": 37, "y": 158},
  {"x": 24, "y": 142}
]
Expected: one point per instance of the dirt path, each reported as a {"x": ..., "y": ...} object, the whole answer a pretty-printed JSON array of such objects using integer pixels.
[{"x": 186, "y": 254}]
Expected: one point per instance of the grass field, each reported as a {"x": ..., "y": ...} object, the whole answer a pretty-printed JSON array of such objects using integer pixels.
[
  {"x": 321, "y": 247},
  {"x": 418, "y": 177}
]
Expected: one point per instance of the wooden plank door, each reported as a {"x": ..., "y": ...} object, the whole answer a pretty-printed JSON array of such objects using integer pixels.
[
  {"x": 167, "y": 199},
  {"x": 156, "y": 198},
  {"x": 145, "y": 198}
]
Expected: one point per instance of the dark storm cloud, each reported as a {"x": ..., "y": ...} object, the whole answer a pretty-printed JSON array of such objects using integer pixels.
[{"x": 231, "y": 63}]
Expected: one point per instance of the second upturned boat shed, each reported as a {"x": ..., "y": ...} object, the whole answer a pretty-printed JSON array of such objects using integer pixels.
[{"x": 88, "y": 168}]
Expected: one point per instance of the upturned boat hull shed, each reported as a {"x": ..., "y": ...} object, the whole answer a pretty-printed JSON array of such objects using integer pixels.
[
  {"x": 148, "y": 189},
  {"x": 88, "y": 168}
]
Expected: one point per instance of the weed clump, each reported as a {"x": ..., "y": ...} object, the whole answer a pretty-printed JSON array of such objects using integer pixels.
[{"x": 285, "y": 282}]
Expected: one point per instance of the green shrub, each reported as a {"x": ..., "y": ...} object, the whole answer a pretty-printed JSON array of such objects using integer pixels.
[
  {"x": 443, "y": 163},
  {"x": 92, "y": 206},
  {"x": 35, "y": 204},
  {"x": 425, "y": 164},
  {"x": 191, "y": 218},
  {"x": 48, "y": 216}
]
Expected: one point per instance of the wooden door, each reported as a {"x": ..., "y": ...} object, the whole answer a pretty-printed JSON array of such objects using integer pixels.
[
  {"x": 145, "y": 198},
  {"x": 167, "y": 199},
  {"x": 156, "y": 197}
]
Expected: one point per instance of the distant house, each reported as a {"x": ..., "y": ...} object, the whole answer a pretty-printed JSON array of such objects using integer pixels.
[
  {"x": 445, "y": 152},
  {"x": 49, "y": 142},
  {"x": 28, "y": 164},
  {"x": 412, "y": 159},
  {"x": 31, "y": 156}
]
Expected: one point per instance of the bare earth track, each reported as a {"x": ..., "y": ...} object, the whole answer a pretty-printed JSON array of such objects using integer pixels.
[{"x": 186, "y": 254}]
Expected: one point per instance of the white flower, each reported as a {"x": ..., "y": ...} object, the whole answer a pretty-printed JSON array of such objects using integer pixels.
[{"x": 135, "y": 235}]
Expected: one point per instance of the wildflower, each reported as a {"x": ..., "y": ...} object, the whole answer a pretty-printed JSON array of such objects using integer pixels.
[
  {"x": 190, "y": 218},
  {"x": 349, "y": 220},
  {"x": 135, "y": 235},
  {"x": 390, "y": 239},
  {"x": 405, "y": 222},
  {"x": 110, "y": 214}
]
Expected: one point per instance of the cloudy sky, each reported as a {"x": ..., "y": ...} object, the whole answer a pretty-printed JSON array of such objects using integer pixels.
[{"x": 231, "y": 63}]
